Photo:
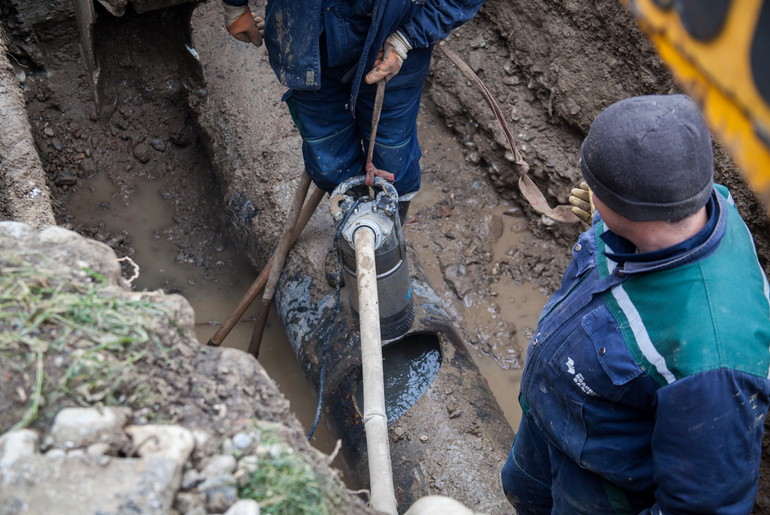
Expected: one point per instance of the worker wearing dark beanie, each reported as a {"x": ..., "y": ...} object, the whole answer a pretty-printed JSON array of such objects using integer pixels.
[
  {"x": 650, "y": 158},
  {"x": 646, "y": 379}
]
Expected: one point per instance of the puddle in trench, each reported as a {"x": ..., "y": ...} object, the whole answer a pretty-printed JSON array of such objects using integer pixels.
[
  {"x": 455, "y": 197},
  {"x": 148, "y": 220},
  {"x": 518, "y": 303}
]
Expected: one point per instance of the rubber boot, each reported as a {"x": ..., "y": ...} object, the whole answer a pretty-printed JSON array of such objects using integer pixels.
[{"x": 403, "y": 211}]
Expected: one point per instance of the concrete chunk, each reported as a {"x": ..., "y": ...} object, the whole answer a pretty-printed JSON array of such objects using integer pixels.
[{"x": 81, "y": 427}]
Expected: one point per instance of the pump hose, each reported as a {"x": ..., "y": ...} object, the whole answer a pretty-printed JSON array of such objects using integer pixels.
[
  {"x": 527, "y": 187},
  {"x": 328, "y": 335}
]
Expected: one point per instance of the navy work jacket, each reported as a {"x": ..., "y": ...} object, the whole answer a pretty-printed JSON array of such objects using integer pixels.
[
  {"x": 653, "y": 375},
  {"x": 293, "y": 33}
]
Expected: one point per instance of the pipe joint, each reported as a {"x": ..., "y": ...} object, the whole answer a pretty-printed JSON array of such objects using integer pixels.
[
  {"x": 368, "y": 417},
  {"x": 366, "y": 223}
]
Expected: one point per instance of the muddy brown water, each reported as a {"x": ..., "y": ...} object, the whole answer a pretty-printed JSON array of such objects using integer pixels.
[
  {"x": 518, "y": 303},
  {"x": 213, "y": 296}
]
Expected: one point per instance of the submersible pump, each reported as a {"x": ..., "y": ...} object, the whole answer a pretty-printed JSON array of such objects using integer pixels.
[{"x": 354, "y": 207}]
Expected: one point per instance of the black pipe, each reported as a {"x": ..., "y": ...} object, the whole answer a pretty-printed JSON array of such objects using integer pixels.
[{"x": 441, "y": 412}]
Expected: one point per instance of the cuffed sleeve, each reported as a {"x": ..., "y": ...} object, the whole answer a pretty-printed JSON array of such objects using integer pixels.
[
  {"x": 707, "y": 440},
  {"x": 437, "y": 19}
]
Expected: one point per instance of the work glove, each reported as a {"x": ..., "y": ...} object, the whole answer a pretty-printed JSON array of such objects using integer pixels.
[
  {"x": 243, "y": 25},
  {"x": 390, "y": 58},
  {"x": 582, "y": 200}
]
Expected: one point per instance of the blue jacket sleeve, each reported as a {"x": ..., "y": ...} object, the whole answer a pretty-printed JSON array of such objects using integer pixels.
[
  {"x": 707, "y": 442},
  {"x": 436, "y": 19}
]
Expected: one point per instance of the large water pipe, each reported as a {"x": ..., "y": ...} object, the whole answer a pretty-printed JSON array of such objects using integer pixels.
[
  {"x": 25, "y": 194},
  {"x": 447, "y": 432}
]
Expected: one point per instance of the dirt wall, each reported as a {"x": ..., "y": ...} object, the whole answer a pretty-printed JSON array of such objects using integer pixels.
[
  {"x": 43, "y": 35},
  {"x": 570, "y": 59},
  {"x": 24, "y": 195},
  {"x": 573, "y": 59}
]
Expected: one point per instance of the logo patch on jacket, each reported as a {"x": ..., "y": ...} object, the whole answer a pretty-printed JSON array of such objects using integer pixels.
[{"x": 579, "y": 379}]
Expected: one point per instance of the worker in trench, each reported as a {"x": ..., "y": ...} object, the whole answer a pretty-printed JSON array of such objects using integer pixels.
[
  {"x": 330, "y": 54},
  {"x": 645, "y": 387}
]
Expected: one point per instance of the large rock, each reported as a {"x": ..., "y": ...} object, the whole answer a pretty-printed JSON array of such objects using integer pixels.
[
  {"x": 35, "y": 483},
  {"x": 80, "y": 427}
]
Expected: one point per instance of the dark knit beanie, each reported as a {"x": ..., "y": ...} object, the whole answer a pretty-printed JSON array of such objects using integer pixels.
[{"x": 650, "y": 158}]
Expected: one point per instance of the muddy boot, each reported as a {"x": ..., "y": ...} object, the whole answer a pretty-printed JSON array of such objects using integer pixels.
[{"x": 403, "y": 211}]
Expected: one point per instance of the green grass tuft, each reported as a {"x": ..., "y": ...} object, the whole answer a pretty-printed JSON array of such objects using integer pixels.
[
  {"x": 72, "y": 338},
  {"x": 285, "y": 484}
]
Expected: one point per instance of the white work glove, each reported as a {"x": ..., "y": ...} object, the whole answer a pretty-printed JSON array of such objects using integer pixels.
[
  {"x": 390, "y": 59},
  {"x": 243, "y": 25}
]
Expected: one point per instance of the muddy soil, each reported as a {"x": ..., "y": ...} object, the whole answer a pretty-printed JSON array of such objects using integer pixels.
[
  {"x": 137, "y": 144},
  {"x": 490, "y": 258}
]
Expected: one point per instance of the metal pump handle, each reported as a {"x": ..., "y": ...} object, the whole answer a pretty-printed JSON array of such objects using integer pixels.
[{"x": 339, "y": 197}]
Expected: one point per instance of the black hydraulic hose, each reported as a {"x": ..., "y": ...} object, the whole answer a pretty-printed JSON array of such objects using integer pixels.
[{"x": 328, "y": 335}]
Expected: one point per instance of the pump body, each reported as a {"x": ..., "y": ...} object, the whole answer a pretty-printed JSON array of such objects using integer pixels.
[{"x": 353, "y": 209}]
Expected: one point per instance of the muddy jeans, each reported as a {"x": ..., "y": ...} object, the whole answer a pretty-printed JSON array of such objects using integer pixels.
[
  {"x": 538, "y": 479},
  {"x": 334, "y": 143}
]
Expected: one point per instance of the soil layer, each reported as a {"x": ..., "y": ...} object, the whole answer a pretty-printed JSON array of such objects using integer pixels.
[{"x": 552, "y": 66}]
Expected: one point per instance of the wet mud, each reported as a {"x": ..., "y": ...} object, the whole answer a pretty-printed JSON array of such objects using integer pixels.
[
  {"x": 490, "y": 259},
  {"x": 133, "y": 174}
]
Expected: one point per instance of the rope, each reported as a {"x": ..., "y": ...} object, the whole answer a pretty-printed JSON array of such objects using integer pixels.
[{"x": 527, "y": 187}]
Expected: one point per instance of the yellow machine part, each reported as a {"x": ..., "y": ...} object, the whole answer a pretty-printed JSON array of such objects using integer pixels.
[{"x": 719, "y": 51}]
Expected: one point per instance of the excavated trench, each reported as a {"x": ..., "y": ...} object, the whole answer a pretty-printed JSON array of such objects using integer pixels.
[
  {"x": 131, "y": 172},
  {"x": 169, "y": 169}
]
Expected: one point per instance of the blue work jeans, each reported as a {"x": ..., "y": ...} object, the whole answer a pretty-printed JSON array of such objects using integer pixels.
[
  {"x": 334, "y": 143},
  {"x": 538, "y": 479}
]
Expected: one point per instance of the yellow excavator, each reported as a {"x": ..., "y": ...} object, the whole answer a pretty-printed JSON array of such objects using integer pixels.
[{"x": 719, "y": 52}]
